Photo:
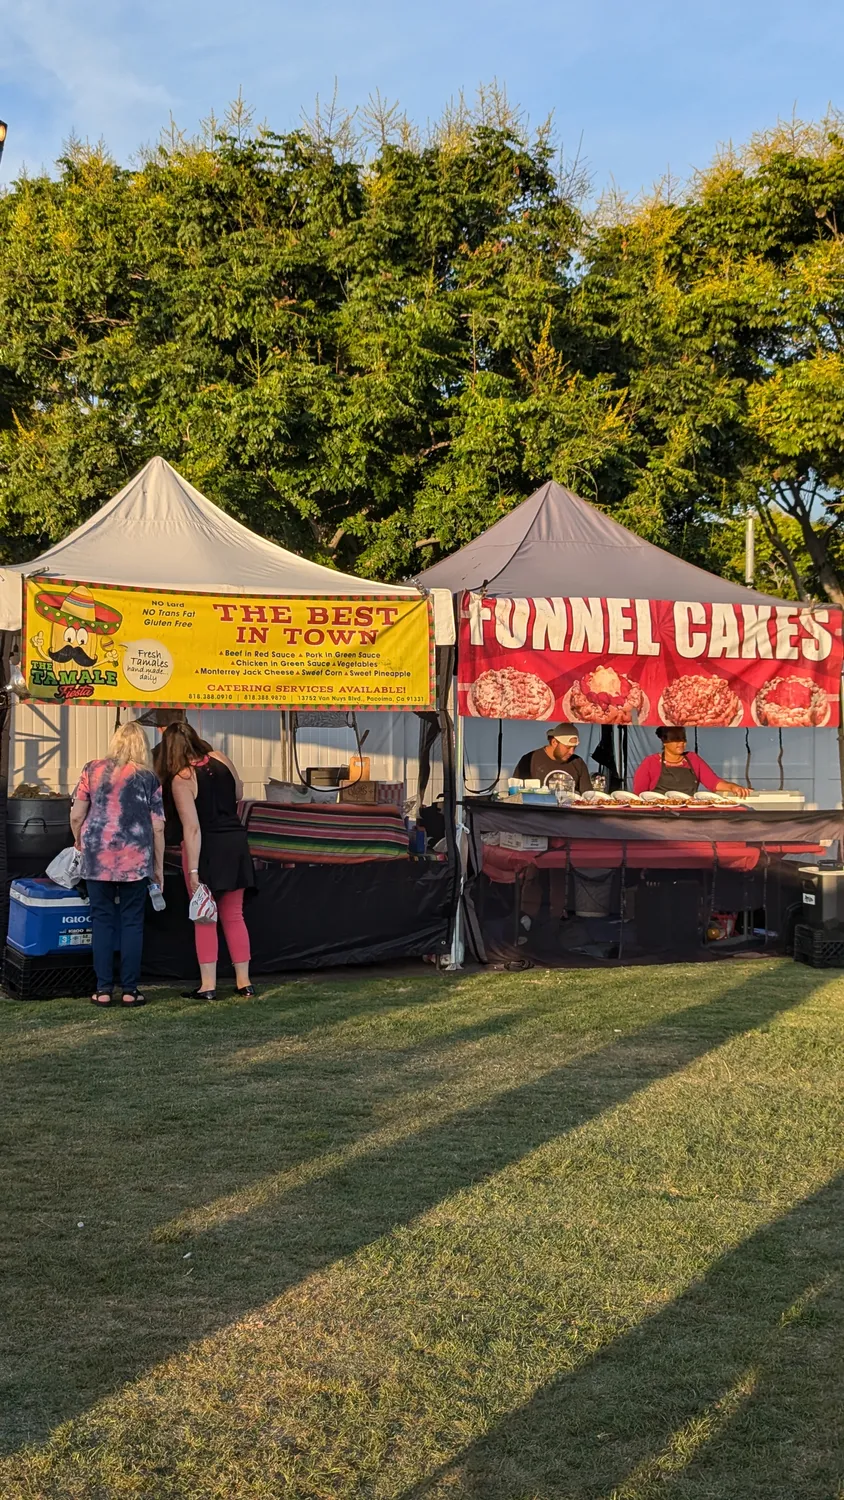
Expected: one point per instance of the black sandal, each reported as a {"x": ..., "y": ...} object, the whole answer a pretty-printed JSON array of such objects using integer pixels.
[
  {"x": 136, "y": 1000},
  {"x": 102, "y": 1004},
  {"x": 247, "y": 993},
  {"x": 199, "y": 994}
]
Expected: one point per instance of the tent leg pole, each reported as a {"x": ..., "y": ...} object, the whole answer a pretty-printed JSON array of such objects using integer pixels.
[
  {"x": 841, "y": 737},
  {"x": 7, "y": 643},
  {"x": 458, "y": 947},
  {"x": 286, "y": 756}
]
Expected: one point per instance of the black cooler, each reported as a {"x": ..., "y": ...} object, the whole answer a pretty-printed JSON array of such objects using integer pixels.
[{"x": 822, "y": 888}]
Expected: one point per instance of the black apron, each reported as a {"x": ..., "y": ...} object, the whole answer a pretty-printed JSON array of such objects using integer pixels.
[{"x": 676, "y": 778}]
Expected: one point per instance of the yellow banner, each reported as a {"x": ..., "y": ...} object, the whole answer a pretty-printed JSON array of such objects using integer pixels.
[{"x": 97, "y": 643}]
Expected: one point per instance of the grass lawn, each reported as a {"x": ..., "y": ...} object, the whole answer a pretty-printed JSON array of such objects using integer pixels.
[{"x": 540, "y": 1236}]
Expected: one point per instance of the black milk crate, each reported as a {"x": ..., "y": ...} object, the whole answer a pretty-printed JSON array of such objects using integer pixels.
[
  {"x": 819, "y": 947},
  {"x": 51, "y": 976}
]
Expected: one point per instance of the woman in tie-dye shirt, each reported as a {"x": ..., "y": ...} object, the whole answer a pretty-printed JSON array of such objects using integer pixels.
[{"x": 118, "y": 822}]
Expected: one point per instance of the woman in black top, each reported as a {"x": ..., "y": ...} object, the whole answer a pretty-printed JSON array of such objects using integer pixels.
[{"x": 204, "y": 788}]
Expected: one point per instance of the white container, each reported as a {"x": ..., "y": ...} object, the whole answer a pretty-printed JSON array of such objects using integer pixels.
[
  {"x": 766, "y": 801},
  {"x": 526, "y": 842}
]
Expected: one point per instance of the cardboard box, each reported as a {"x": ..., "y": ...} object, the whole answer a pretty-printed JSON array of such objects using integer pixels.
[
  {"x": 358, "y": 770},
  {"x": 367, "y": 793},
  {"x": 362, "y": 792},
  {"x": 527, "y": 842},
  {"x": 391, "y": 792}
]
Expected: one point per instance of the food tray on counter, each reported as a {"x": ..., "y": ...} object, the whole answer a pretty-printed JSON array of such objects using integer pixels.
[{"x": 633, "y": 805}]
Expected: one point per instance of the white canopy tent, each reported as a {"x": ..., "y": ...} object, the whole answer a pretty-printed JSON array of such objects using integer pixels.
[{"x": 159, "y": 532}]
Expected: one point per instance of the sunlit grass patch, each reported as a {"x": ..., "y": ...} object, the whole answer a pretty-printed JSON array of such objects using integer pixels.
[{"x": 540, "y": 1235}]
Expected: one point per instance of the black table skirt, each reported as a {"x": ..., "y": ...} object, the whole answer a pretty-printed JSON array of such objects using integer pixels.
[
  {"x": 317, "y": 916},
  {"x": 658, "y": 824},
  {"x": 654, "y": 915}
]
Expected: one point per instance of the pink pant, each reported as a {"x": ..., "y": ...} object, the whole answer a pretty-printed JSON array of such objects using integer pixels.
[{"x": 230, "y": 912}]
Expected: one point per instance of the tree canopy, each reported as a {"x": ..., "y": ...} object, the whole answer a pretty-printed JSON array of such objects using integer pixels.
[
  {"x": 721, "y": 313},
  {"x": 363, "y": 359},
  {"x": 369, "y": 353}
]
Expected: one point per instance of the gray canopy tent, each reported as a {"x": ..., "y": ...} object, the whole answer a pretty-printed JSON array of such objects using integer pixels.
[{"x": 557, "y": 544}]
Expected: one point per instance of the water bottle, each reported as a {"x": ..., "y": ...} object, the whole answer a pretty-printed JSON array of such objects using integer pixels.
[{"x": 156, "y": 895}]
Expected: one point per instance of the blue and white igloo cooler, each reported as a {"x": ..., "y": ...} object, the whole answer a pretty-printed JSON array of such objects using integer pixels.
[{"x": 47, "y": 919}]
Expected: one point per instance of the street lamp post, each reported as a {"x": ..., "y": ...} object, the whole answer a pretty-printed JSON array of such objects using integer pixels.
[{"x": 3, "y": 129}]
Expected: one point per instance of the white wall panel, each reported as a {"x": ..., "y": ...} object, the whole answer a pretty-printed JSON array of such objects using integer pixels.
[
  {"x": 51, "y": 744},
  {"x": 392, "y": 743},
  {"x": 251, "y": 738}
]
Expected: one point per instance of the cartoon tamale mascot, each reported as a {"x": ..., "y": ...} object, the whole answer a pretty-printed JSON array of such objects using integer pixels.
[{"x": 81, "y": 626}]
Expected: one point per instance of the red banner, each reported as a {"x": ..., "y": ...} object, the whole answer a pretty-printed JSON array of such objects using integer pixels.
[{"x": 648, "y": 661}]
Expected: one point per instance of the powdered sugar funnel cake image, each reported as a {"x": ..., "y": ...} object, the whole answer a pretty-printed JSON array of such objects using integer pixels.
[
  {"x": 604, "y": 696},
  {"x": 790, "y": 703},
  {"x": 507, "y": 693},
  {"x": 700, "y": 700}
]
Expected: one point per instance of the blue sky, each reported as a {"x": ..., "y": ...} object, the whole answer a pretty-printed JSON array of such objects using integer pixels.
[{"x": 648, "y": 87}]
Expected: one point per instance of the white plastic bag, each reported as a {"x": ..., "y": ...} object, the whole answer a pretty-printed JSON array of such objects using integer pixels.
[
  {"x": 203, "y": 907},
  {"x": 66, "y": 868}
]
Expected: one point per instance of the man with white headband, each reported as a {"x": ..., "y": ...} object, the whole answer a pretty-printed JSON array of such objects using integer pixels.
[{"x": 557, "y": 755}]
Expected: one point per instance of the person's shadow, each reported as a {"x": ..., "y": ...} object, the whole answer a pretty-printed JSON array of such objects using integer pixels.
[{"x": 88, "y": 1310}]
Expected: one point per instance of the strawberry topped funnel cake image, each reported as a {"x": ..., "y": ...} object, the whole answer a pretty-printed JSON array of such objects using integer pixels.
[
  {"x": 604, "y": 696},
  {"x": 791, "y": 702}
]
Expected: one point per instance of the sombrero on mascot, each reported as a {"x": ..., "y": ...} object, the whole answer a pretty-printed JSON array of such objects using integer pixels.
[{"x": 79, "y": 622}]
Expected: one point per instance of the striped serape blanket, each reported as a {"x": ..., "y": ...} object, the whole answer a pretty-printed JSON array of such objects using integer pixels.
[{"x": 324, "y": 833}]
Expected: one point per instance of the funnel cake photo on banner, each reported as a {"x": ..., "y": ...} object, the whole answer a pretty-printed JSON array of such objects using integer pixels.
[
  {"x": 791, "y": 702},
  {"x": 507, "y": 693},
  {"x": 604, "y": 696},
  {"x": 704, "y": 701}
]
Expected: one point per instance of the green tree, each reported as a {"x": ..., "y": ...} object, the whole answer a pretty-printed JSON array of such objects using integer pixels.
[
  {"x": 361, "y": 353},
  {"x": 720, "y": 312}
]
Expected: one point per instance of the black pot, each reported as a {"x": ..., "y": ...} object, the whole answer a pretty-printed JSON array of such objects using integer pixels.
[{"x": 37, "y": 827}]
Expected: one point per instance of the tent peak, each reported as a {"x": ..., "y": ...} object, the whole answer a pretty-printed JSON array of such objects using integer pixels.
[
  {"x": 159, "y": 532},
  {"x": 555, "y": 544}
]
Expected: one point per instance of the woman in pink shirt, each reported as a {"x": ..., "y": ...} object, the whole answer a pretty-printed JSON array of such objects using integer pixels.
[{"x": 677, "y": 769}]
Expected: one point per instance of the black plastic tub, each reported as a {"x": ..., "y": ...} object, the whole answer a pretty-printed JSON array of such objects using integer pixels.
[{"x": 36, "y": 828}]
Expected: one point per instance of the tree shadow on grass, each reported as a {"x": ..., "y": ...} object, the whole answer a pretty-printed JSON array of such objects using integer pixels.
[
  {"x": 731, "y": 1391},
  {"x": 89, "y": 1309}
]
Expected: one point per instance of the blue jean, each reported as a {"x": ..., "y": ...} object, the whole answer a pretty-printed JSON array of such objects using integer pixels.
[{"x": 117, "y": 927}]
